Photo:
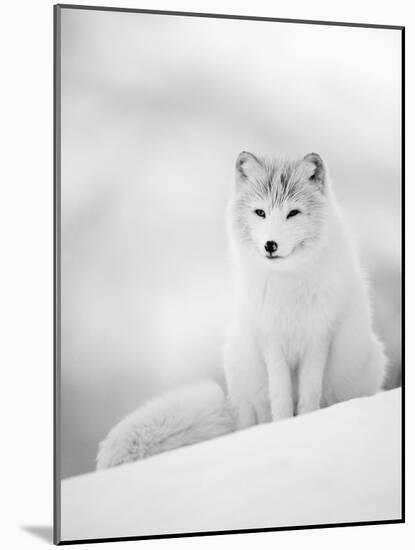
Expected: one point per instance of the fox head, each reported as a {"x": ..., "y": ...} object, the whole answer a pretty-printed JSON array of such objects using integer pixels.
[{"x": 279, "y": 208}]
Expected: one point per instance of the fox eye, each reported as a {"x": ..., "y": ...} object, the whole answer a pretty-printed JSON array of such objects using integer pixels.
[
  {"x": 260, "y": 213},
  {"x": 292, "y": 213}
]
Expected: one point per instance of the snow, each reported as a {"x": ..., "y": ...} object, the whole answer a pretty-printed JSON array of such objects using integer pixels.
[{"x": 341, "y": 464}]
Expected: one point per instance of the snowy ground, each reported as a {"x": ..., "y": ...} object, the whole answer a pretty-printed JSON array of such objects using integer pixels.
[{"x": 341, "y": 464}]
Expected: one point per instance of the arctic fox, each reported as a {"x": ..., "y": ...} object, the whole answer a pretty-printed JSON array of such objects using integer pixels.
[{"x": 301, "y": 337}]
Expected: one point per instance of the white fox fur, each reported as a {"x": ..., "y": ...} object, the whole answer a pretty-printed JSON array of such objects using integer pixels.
[
  {"x": 180, "y": 417},
  {"x": 302, "y": 334}
]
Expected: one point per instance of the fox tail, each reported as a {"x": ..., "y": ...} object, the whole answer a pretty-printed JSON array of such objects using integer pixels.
[{"x": 181, "y": 417}]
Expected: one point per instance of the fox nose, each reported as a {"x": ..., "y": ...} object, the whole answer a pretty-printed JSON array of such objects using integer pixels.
[{"x": 271, "y": 246}]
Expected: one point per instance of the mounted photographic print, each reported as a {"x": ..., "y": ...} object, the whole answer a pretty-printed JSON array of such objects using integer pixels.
[{"x": 228, "y": 274}]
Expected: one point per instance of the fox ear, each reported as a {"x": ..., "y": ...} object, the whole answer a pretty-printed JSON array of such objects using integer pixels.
[
  {"x": 316, "y": 170},
  {"x": 247, "y": 166}
]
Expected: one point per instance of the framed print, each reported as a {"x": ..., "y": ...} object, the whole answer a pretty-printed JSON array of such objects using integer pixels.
[{"x": 228, "y": 274}]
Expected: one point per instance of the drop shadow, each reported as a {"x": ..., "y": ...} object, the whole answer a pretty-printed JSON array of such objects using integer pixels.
[{"x": 44, "y": 532}]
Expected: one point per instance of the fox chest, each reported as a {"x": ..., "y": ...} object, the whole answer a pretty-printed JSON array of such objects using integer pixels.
[{"x": 293, "y": 322}]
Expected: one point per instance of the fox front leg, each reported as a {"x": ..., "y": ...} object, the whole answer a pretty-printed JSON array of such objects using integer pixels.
[
  {"x": 279, "y": 384},
  {"x": 246, "y": 378},
  {"x": 310, "y": 376}
]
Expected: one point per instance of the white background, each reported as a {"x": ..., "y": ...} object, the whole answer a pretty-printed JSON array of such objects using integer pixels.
[{"x": 26, "y": 289}]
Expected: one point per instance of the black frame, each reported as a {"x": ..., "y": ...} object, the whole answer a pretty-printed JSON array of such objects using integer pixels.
[{"x": 57, "y": 266}]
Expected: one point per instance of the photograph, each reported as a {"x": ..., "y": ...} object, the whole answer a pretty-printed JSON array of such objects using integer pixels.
[{"x": 228, "y": 274}]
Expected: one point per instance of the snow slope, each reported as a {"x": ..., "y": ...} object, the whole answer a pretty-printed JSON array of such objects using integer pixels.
[{"x": 341, "y": 464}]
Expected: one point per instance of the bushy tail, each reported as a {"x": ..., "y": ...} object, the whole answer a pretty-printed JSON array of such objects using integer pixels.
[{"x": 181, "y": 417}]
